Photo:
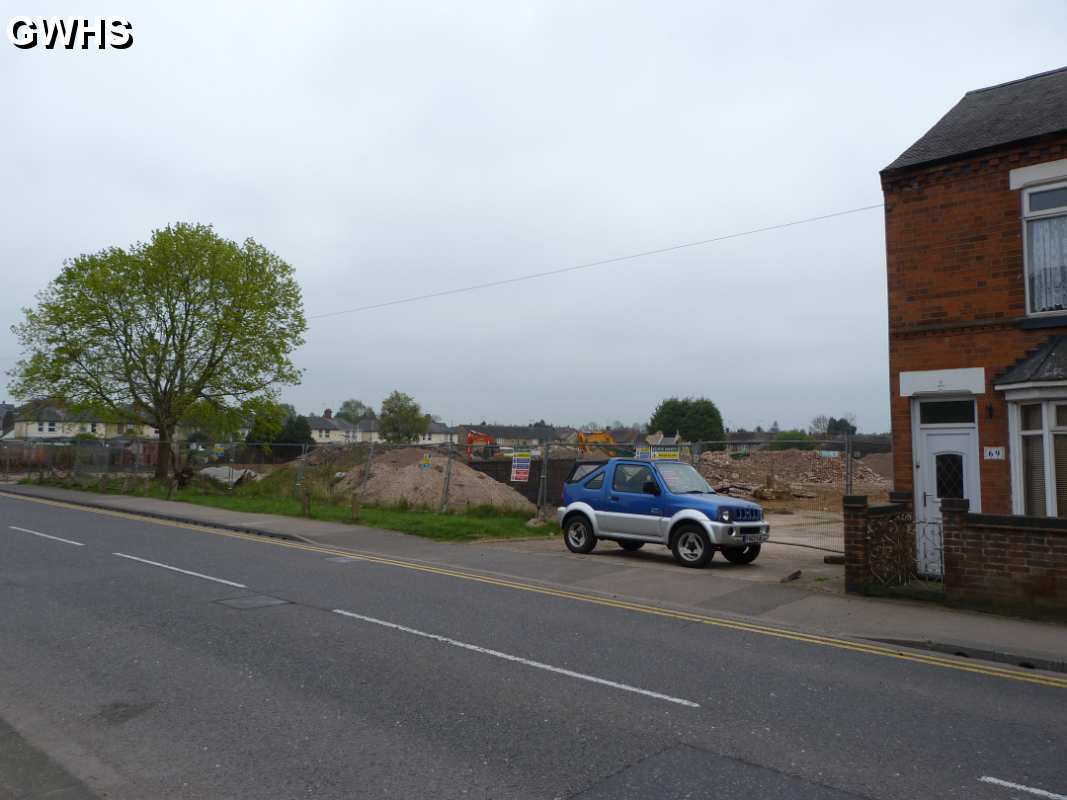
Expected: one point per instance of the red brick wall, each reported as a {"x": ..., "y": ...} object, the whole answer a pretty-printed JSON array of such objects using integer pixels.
[
  {"x": 1005, "y": 563},
  {"x": 954, "y": 256}
]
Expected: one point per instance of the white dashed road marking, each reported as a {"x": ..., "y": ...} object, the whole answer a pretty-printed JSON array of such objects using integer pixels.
[
  {"x": 1020, "y": 788},
  {"x": 508, "y": 657},
  {"x": 46, "y": 536},
  {"x": 182, "y": 571}
]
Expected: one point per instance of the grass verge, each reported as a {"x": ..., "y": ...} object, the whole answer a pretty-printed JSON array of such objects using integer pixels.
[{"x": 475, "y": 523}]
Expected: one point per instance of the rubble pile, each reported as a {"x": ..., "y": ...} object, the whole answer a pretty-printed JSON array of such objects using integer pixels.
[{"x": 769, "y": 474}]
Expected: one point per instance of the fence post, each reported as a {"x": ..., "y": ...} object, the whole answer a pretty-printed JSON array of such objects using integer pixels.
[
  {"x": 848, "y": 463},
  {"x": 448, "y": 480},
  {"x": 542, "y": 483},
  {"x": 298, "y": 479},
  {"x": 366, "y": 472}
]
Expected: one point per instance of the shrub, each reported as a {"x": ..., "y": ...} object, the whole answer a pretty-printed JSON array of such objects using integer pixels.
[{"x": 792, "y": 440}]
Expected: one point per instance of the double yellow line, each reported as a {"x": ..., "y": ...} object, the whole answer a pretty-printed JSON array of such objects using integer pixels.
[{"x": 1008, "y": 673}]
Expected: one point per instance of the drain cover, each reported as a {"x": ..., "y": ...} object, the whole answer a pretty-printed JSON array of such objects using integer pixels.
[
  {"x": 253, "y": 601},
  {"x": 340, "y": 559}
]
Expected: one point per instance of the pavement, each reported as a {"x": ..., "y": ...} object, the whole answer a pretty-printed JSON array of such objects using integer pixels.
[
  {"x": 141, "y": 658},
  {"x": 814, "y": 601}
]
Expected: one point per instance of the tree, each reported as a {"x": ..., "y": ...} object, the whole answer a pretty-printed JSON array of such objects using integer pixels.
[
  {"x": 268, "y": 420},
  {"x": 695, "y": 419},
  {"x": 401, "y": 419},
  {"x": 147, "y": 332},
  {"x": 840, "y": 427},
  {"x": 791, "y": 440},
  {"x": 774, "y": 427},
  {"x": 209, "y": 422},
  {"x": 355, "y": 410},
  {"x": 294, "y": 436},
  {"x": 820, "y": 424}
]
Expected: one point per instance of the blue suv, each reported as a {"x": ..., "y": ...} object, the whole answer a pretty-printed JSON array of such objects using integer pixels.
[{"x": 632, "y": 502}]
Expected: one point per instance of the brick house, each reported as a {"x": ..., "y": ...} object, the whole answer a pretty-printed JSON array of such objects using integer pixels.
[{"x": 976, "y": 245}]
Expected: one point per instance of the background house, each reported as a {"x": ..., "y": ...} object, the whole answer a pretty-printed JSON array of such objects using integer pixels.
[
  {"x": 976, "y": 248},
  {"x": 329, "y": 429},
  {"x": 437, "y": 433}
]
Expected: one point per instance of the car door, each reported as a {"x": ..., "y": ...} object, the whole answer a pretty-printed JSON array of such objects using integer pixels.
[{"x": 628, "y": 509}]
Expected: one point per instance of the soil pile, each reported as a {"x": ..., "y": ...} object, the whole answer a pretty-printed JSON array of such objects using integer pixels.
[{"x": 399, "y": 476}]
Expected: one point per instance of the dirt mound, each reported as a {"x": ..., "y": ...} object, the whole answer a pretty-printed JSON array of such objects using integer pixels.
[
  {"x": 786, "y": 467},
  {"x": 398, "y": 477}
]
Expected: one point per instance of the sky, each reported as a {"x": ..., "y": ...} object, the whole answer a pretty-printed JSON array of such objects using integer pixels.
[{"x": 393, "y": 150}]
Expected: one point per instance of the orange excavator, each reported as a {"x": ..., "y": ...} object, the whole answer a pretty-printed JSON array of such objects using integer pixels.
[
  {"x": 593, "y": 437},
  {"x": 478, "y": 438}
]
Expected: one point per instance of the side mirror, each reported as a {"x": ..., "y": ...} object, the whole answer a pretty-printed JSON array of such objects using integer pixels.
[{"x": 650, "y": 487}]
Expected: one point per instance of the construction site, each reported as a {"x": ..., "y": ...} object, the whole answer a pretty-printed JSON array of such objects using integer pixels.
[{"x": 800, "y": 489}]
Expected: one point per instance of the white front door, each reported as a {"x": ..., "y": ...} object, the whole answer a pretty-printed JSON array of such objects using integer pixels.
[{"x": 946, "y": 466}]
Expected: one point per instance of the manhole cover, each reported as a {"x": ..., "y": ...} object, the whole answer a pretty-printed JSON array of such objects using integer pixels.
[{"x": 253, "y": 601}]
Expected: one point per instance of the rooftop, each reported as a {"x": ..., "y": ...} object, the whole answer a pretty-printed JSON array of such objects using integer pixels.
[
  {"x": 997, "y": 115},
  {"x": 1047, "y": 363}
]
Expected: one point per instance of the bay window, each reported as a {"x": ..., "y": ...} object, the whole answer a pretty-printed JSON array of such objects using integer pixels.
[{"x": 1040, "y": 442}]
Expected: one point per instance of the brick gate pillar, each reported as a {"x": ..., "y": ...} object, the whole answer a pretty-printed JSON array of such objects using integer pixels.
[
  {"x": 857, "y": 568},
  {"x": 953, "y": 557}
]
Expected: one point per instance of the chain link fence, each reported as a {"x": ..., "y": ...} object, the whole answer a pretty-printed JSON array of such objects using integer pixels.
[{"x": 800, "y": 483}]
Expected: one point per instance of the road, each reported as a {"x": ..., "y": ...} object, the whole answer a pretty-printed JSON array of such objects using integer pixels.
[{"x": 140, "y": 659}]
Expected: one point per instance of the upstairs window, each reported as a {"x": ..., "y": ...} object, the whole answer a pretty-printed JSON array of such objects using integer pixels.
[{"x": 1045, "y": 229}]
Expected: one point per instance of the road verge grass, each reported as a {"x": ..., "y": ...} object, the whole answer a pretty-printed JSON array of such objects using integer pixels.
[{"x": 483, "y": 522}]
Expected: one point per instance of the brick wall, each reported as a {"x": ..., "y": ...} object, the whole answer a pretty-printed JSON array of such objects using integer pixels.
[
  {"x": 1005, "y": 563},
  {"x": 1000, "y": 563},
  {"x": 955, "y": 273}
]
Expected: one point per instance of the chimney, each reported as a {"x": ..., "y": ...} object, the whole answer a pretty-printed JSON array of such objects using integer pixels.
[{"x": 328, "y": 413}]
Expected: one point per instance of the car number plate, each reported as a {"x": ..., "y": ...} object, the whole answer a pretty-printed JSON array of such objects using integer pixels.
[{"x": 753, "y": 538}]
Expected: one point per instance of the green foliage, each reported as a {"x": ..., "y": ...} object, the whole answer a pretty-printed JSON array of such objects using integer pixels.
[
  {"x": 148, "y": 332},
  {"x": 268, "y": 420},
  {"x": 695, "y": 419},
  {"x": 839, "y": 427},
  {"x": 207, "y": 421},
  {"x": 295, "y": 432},
  {"x": 792, "y": 440},
  {"x": 354, "y": 410},
  {"x": 401, "y": 419}
]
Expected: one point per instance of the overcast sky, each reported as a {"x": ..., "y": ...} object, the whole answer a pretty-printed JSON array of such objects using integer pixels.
[{"x": 389, "y": 150}]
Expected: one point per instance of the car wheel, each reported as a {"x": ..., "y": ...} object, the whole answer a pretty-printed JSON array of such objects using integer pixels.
[
  {"x": 631, "y": 546},
  {"x": 741, "y": 555},
  {"x": 691, "y": 547},
  {"x": 578, "y": 535}
]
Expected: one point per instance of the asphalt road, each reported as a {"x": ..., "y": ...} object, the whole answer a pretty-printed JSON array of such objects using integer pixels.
[{"x": 147, "y": 660}]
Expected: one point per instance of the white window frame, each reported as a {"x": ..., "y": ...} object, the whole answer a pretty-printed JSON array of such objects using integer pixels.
[
  {"x": 1027, "y": 217},
  {"x": 1048, "y": 399}
]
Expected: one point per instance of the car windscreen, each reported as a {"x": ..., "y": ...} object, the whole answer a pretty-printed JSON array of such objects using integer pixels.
[{"x": 682, "y": 479}]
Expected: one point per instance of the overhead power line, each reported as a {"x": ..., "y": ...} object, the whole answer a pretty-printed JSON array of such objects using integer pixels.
[{"x": 590, "y": 264}]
